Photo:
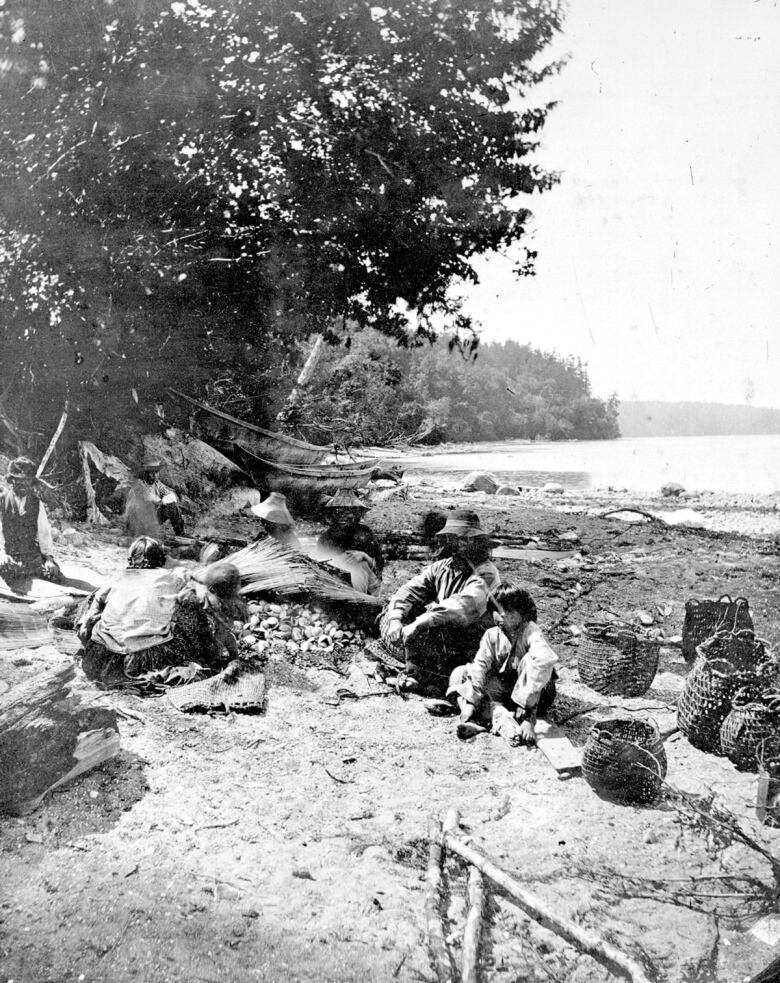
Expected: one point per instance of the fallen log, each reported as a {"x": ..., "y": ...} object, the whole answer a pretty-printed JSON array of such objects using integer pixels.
[
  {"x": 580, "y": 938},
  {"x": 48, "y": 737},
  {"x": 473, "y": 930},
  {"x": 440, "y": 957}
]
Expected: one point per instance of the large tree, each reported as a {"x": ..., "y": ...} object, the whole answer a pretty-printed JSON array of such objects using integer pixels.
[{"x": 186, "y": 189}]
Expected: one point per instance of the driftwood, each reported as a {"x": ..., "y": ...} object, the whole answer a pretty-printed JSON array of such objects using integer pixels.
[
  {"x": 579, "y": 937},
  {"x": 48, "y": 737},
  {"x": 473, "y": 930},
  {"x": 629, "y": 508},
  {"x": 53, "y": 441},
  {"x": 437, "y": 947}
]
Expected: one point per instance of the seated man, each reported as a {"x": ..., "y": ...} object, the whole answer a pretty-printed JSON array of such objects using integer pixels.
[
  {"x": 350, "y": 544},
  {"x": 148, "y": 491},
  {"x": 276, "y": 520},
  {"x": 438, "y": 618},
  {"x": 25, "y": 533},
  {"x": 512, "y": 677}
]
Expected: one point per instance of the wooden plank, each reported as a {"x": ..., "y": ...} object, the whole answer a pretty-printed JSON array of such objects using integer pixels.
[{"x": 557, "y": 748}]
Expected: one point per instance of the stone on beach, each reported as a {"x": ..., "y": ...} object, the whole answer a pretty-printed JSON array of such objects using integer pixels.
[
  {"x": 672, "y": 489},
  {"x": 552, "y": 488},
  {"x": 480, "y": 481},
  {"x": 507, "y": 490}
]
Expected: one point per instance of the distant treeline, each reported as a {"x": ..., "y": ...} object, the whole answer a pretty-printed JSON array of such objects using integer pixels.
[
  {"x": 656, "y": 419},
  {"x": 376, "y": 392}
]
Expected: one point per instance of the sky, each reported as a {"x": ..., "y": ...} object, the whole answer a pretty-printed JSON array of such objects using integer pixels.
[{"x": 658, "y": 262}]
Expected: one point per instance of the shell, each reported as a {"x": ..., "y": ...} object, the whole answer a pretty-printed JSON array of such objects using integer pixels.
[
  {"x": 297, "y": 634},
  {"x": 270, "y": 623},
  {"x": 305, "y": 645},
  {"x": 284, "y": 631},
  {"x": 249, "y": 639},
  {"x": 325, "y": 642},
  {"x": 310, "y": 631},
  {"x": 292, "y": 646}
]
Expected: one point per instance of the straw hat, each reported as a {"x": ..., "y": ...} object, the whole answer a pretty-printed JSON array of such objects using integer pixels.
[
  {"x": 344, "y": 499},
  {"x": 274, "y": 509},
  {"x": 462, "y": 522},
  {"x": 21, "y": 467}
]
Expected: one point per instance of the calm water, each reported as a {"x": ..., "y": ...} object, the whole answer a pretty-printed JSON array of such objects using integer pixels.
[{"x": 728, "y": 464}]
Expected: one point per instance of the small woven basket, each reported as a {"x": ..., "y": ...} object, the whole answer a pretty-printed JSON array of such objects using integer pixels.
[
  {"x": 745, "y": 728},
  {"x": 624, "y": 759},
  {"x": 706, "y": 618},
  {"x": 727, "y": 662},
  {"x": 616, "y": 660}
]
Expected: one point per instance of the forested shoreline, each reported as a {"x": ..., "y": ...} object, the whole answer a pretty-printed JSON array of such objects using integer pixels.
[{"x": 375, "y": 392}]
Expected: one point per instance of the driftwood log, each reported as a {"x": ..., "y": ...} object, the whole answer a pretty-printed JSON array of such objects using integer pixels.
[
  {"x": 473, "y": 930},
  {"x": 441, "y": 962},
  {"x": 580, "y": 938},
  {"x": 48, "y": 737}
]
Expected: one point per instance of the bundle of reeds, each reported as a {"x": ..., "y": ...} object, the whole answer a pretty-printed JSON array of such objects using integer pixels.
[{"x": 267, "y": 565}]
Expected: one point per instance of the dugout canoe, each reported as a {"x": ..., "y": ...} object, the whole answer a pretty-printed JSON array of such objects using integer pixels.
[
  {"x": 224, "y": 429},
  {"x": 302, "y": 479}
]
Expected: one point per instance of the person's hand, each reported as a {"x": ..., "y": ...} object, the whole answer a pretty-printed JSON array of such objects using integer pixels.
[
  {"x": 394, "y": 629},
  {"x": 409, "y": 631}
]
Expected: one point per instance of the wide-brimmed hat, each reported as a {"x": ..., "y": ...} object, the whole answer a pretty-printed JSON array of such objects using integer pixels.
[
  {"x": 462, "y": 522},
  {"x": 21, "y": 467},
  {"x": 274, "y": 509},
  {"x": 344, "y": 499}
]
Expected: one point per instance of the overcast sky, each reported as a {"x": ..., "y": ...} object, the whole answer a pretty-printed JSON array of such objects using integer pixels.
[{"x": 658, "y": 259}]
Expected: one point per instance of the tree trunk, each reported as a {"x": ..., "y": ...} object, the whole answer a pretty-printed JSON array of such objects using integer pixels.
[{"x": 48, "y": 737}]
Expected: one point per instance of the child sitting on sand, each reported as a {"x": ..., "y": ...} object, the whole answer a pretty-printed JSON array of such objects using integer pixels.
[{"x": 511, "y": 679}]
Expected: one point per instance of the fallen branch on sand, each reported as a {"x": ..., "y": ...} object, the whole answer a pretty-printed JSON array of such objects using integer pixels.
[
  {"x": 437, "y": 947},
  {"x": 579, "y": 937}
]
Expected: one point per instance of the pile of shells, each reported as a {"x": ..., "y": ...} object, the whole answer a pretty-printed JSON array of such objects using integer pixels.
[{"x": 295, "y": 630}]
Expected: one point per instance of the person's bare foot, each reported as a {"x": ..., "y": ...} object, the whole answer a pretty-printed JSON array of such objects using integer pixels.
[
  {"x": 440, "y": 708},
  {"x": 466, "y": 731}
]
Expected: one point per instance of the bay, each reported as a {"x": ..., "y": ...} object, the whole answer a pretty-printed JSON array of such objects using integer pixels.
[{"x": 738, "y": 464}]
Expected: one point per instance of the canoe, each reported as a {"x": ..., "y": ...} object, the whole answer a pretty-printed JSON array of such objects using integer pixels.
[
  {"x": 223, "y": 429},
  {"x": 301, "y": 479}
]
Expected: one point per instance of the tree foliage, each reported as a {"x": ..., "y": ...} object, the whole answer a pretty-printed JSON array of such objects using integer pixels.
[
  {"x": 377, "y": 393},
  {"x": 187, "y": 188}
]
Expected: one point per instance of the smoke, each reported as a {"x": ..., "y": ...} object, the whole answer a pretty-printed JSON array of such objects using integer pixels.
[{"x": 140, "y": 515}]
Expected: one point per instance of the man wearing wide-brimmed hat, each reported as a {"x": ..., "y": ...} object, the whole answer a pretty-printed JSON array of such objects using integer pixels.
[
  {"x": 164, "y": 499},
  {"x": 276, "y": 520},
  {"x": 25, "y": 533},
  {"x": 437, "y": 619},
  {"x": 349, "y": 544}
]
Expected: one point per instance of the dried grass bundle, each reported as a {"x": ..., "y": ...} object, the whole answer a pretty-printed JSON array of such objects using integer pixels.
[{"x": 267, "y": 565}]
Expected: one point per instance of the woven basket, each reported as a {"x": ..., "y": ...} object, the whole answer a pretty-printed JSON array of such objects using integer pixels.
[
  {"x": 747, "y": 725},
  {"x": 224, "y": 692},
  {"x": 615, "y": 660},
  {"x": 705, "y": 618},
  {"x": 624, "y": 759},
  {"x": 727, "y": 662}
]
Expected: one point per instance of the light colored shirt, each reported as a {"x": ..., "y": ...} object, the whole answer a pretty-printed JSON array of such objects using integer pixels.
[
  {"x": 44, "y": 529},
  {"x": 137, "y": 610},
  {"x": 519, "y": 671},
  {"x": 452, "y": 594}
]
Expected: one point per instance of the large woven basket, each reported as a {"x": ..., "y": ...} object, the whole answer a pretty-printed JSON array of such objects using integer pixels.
[
  {"x": 624, "y": 759},
  {"x": 727, "y": 662},
  {"x": 616, "y": 660},
  {"x": 705, "y": 618},
  {"x": 744, "y": 730},
  {"x": 225, "y": 692}
]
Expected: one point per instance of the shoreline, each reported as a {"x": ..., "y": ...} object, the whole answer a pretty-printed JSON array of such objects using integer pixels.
[{"x": 755, "y": 516}]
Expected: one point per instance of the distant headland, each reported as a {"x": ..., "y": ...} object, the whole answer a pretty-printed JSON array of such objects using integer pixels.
[{"x": 647, "y": 418}]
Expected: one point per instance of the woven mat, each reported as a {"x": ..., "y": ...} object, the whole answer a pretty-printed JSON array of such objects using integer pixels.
[{"x": 246, "y": 693}]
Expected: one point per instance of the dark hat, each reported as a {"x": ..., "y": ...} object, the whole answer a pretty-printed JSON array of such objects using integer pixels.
[
  {"x": 344, "y": 499},
  {"x": 462, "y": 522},
  {"x": 21, "y": 467}
]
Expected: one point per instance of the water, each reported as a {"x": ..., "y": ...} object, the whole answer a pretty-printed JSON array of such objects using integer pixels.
[{"x": 721, "y": 464}]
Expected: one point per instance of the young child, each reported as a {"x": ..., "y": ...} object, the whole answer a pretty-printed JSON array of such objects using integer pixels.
[{"x": 511, "y": 679}]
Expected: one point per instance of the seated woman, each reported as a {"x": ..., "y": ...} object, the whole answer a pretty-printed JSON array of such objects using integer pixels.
[
  {"x": 512, "y": 677},
  {"x": 151, "y": 618}
]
